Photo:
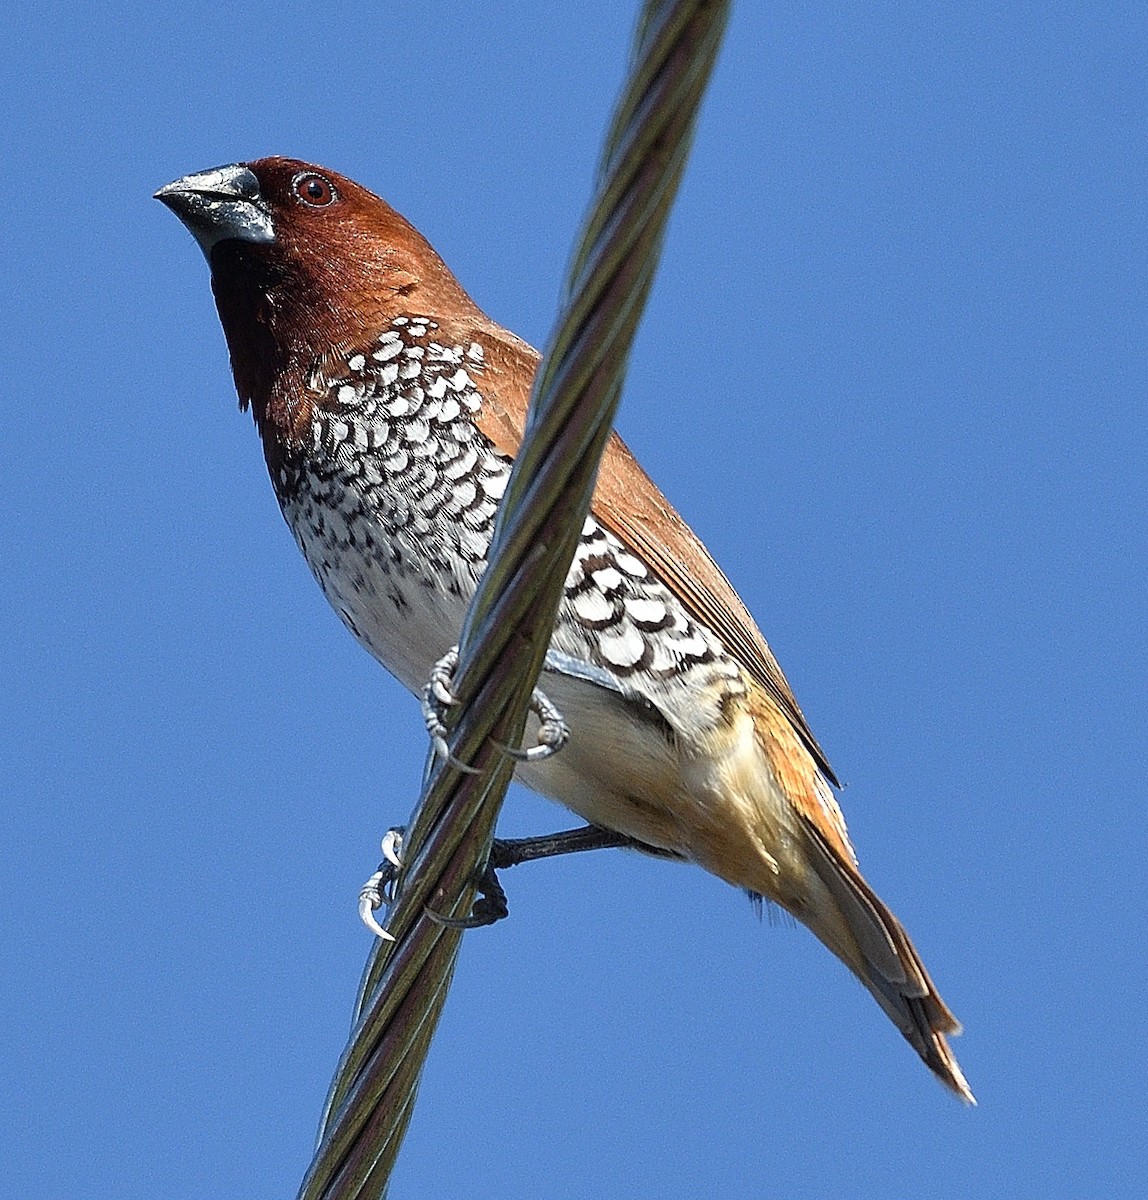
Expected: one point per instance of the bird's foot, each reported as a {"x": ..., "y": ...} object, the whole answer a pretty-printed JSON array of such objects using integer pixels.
[
  {"x": 553, "y": 732},
  {"x": 438, "y": 696},
  {"x": 491, "y": 904}
]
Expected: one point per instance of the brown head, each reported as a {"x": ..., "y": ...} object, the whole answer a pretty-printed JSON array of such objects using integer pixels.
[{"x": 304, "y": 262}]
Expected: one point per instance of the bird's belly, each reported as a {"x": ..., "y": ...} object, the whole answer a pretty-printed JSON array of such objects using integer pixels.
[
  {"x": 643, "y": 741},
  {"x": 619, "y": 768},
  {"x": 707, "y": 795}
]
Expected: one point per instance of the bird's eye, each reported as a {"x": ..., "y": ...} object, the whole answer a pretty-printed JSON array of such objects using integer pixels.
[{"x": 314, "y": 190}]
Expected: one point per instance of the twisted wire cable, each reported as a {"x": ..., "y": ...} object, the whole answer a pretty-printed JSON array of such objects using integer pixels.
[{"x": 507, "y": 629}]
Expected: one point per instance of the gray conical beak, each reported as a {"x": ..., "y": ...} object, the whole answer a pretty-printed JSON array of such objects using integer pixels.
[{"x": 222, "y": 203}]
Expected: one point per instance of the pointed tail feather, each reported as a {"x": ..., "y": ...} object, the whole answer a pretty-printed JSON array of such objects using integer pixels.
[{"x": 878, "y": 950}]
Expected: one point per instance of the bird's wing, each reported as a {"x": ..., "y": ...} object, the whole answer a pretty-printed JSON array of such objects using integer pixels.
[{"x": 629, "y": 504}]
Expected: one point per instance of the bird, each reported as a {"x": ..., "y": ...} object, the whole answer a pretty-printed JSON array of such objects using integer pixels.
[{"x": 390, "y": 408}]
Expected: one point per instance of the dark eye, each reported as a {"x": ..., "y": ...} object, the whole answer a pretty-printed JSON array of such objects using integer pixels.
[{"x": 314, "y": 190}]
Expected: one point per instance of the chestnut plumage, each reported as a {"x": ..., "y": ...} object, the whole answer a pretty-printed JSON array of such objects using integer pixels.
[{"x": 389, "y": 408}]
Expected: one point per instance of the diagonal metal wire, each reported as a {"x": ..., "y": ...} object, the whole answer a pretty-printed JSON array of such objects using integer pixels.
[{"x": 507, "y": 629}]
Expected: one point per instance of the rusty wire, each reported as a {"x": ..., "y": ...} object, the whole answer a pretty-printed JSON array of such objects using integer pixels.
[{"x": 507, "y": 629}]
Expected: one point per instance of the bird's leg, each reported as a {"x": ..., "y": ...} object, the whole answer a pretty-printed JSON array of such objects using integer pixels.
[
  {"x": 509, "y": 852},
  {"x": 491, "y": 905}
]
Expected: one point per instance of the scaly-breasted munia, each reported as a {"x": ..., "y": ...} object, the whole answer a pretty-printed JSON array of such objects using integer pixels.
[{"x": 390, "y": 408}]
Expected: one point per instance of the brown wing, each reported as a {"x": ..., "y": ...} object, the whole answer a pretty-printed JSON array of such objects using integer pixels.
[{"x": 629, "y": 504}]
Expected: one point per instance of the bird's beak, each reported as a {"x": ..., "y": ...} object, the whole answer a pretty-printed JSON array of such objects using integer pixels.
[{"x": 219, "y": 204}]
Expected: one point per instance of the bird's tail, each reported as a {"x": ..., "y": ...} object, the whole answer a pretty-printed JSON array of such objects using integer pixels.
[{"x": 874, "y": 945}]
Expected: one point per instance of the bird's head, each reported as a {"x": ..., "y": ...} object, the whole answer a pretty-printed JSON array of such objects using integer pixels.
[{"x": 304, "y": 263}]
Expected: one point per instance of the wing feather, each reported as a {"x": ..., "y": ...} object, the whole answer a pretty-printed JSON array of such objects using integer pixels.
[{"x": 630, "y": 505}]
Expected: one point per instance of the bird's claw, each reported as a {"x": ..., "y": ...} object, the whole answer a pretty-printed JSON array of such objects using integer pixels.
[
  {"x": 437, "y": 697},
  {"x": 392, "y": 846},
  {"x": 379, "y": 889},
  {"x": 442, "y": 673},
  {"x": 553, "y": 732},
  {"x": 370, "y": 899},
  {"x": 489, "y": 906}
]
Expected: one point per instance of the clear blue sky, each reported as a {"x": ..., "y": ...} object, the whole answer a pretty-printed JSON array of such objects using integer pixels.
[{"x": 893, "y": 371}]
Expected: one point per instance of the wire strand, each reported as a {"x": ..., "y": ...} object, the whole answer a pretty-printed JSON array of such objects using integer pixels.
[{"x": 507, "y": 628}]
